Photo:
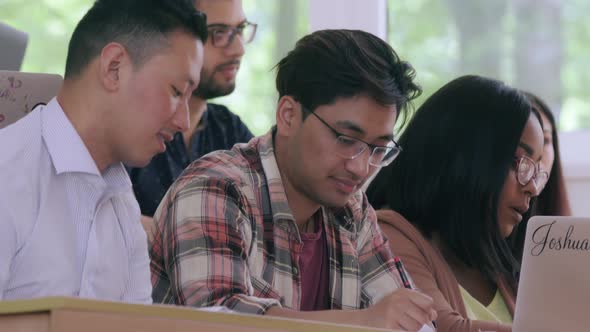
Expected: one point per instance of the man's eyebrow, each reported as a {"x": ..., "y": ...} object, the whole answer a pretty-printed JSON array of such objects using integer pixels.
[
  {"x": 349, "y": 125},
  {"x": 223, "y": 25},
  {"x": 217, "y": 25},
  {"x": 388, "y": 137}
]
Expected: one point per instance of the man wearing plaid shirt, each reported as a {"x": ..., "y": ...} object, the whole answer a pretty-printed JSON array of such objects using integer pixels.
[{"x": 280, "y": 226}]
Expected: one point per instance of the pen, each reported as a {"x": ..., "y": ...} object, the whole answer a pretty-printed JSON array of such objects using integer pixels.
[{"x": 402, "y": 273}]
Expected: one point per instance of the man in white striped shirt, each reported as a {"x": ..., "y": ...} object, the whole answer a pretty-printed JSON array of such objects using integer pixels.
[{"x": 69, "y": 223}]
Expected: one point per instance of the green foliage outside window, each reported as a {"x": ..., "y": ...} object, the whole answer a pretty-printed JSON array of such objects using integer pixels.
[
  {"x": 537, "y": 45},
  {"x": 50, "y": 24},
  {"x": 432, "y": 34}
]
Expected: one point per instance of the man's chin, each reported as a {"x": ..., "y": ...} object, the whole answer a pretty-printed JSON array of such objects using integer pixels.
[
  {"x": 138, "y": 162},
  {"x": 214, "y": 92},
  {"x": 335, "y": 202}
]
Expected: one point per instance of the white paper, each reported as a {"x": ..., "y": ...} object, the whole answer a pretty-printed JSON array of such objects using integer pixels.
[
  {"x": 426, "y": 328},
  {"x": 217, "y": 309}
]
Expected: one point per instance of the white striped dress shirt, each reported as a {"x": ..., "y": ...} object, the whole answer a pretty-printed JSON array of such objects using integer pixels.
[{"x": 65, "y": 228}]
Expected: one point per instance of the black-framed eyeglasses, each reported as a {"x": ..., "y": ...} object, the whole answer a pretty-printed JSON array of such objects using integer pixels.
[
  {"x": 349, "y": 147},
  {"x": 222, "y": 35},
  {"x": 527, "y": 170}
]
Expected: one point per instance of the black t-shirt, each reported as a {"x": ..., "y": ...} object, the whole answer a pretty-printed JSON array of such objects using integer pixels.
[{"x": 222, "y": 129}]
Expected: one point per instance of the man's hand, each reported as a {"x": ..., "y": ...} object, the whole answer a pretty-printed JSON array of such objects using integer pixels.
[{"x": 404, "y": 309}]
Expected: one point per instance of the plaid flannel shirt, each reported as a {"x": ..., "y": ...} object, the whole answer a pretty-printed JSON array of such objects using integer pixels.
[{"x": 224, "y": 235}]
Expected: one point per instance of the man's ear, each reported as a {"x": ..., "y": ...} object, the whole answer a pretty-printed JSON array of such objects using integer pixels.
[
  {"x": 288, "y": 116},
  {"x": 114, "y": 60}
]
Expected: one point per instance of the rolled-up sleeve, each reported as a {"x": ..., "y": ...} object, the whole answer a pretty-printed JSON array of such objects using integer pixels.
[{"x": 377, "y": 267}]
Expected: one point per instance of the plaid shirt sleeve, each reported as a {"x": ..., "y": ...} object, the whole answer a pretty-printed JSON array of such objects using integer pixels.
[
  {"x": 379, "y": 275},
  {"x": 204, "y": 237}
]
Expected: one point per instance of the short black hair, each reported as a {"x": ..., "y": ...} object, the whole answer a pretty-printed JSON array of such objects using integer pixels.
[
  {"x": 330, "y": 64},
  {"x": 458, "y": 150},
  {"x": 141, "y": 26}
]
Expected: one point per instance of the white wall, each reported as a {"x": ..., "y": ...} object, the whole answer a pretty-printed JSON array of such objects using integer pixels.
[
  {"x": 367, "y": 15},
  {"x": 575, "y": 155}
]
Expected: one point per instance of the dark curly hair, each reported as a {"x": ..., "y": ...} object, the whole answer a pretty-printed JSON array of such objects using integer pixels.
[{"x": 331, "y": 64}]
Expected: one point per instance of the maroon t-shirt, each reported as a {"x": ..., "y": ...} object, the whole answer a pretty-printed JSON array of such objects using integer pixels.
[{"x": 314, "y": 271}]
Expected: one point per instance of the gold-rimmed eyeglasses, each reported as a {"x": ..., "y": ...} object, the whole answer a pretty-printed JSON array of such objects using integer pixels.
[
  {"x": 222, "y": 35},
  {"x": 350, "y": 148},
  {"x": 527, "y": 170}
]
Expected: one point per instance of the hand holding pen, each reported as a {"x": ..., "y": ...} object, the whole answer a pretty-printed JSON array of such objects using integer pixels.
[
  {"x": 404, "y": 277},
  {"x": 404, "y": 309}
]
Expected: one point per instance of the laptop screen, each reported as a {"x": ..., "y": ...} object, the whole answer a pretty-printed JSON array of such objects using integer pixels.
[
  {"x": 13, "y": 44},
  {"x": 554, "y": 285}
]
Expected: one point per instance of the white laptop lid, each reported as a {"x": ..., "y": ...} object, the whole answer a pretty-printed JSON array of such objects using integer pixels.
[
  {"x": 554, "y": 286},
  {"x": 21, "y": 92},
  {"x": 13, "y": 44}
]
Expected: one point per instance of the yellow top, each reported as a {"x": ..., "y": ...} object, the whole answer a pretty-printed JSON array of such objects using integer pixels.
[{"x": 497, "y": 311}]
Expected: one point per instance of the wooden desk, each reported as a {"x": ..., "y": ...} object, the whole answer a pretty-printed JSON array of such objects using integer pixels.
[{"x": 62, "y": 314}]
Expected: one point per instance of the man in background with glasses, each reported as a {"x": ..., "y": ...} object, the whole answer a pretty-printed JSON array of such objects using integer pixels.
[
  {"x": 280, "y": 226},
  {"x": 212, "y": 127}
]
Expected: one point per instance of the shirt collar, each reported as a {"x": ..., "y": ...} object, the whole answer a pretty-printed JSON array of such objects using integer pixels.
[
  {"x": 69, "y": 153},
  {"x": 278, "y": 197},
  {"x": 116, "y": 178},
  {"x": 66, "y": 148}
]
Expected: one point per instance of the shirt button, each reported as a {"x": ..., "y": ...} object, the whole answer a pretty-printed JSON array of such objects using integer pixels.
[{"x": 295, "y": 271}]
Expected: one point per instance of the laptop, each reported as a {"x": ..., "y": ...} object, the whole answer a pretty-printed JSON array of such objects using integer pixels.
[
  {"x": 21, "y": 92},
  {"x": 554, "y": 286},
  {"x": 13, "y": 44}
]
